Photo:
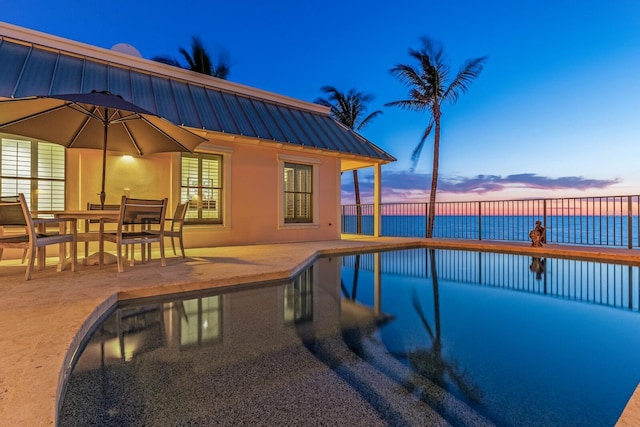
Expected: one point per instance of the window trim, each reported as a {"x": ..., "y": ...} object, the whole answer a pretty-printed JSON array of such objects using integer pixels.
[{"x": 315, "y": 196}]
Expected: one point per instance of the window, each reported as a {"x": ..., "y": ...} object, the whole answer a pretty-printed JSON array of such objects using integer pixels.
[
  {"x": 36, "y": 169},
  {"x": 298, "y": 193},
  {"x": 201, "y": 187}
]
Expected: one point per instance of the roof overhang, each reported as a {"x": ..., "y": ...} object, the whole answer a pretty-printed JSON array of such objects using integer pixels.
[{"x": 36, "y": 63}]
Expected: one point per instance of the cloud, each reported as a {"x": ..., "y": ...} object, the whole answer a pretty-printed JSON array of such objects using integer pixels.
[
  {"x": 405, "y": 185},
  {"x": 482, "y": 184}
]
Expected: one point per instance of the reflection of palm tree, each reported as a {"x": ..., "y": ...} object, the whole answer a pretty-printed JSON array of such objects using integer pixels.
[
  {"x": 430, "y": 363},
  {"x": 354, "y": 286}
]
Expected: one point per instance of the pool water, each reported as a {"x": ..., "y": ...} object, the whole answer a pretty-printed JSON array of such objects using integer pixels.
[{"x": 411, "y": 337}]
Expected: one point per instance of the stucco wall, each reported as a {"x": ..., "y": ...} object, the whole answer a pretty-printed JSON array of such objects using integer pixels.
[{"x": 251, "y": 183}]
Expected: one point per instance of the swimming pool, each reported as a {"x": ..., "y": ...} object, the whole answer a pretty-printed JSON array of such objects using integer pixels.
[{"x": 412, "y": 337}]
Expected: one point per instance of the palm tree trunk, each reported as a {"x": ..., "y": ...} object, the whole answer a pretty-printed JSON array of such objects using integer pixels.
[
  {"x": 356, "y": 188},
  {"x": 434, "y": 176}
]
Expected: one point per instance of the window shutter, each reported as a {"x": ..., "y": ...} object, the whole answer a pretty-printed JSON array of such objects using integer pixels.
[{"x": 33, "y": 168}]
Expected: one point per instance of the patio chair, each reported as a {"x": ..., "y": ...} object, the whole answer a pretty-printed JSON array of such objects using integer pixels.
[
  {"x": 147, "y": 215},
  {"x": 177, "y": 224},
  {"x": 14, "y": 212},
  {"x": 93, "y": 236}
]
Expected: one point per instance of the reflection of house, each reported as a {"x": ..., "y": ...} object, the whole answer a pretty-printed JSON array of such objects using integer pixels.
[
  {"x": 243, "y": 324},
  {"x": 270, "y": 171}
]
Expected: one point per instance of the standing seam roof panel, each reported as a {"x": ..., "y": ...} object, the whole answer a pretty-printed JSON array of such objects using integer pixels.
[
  {"x": 120, "y": 82},
  {"x": 37, "y": 74},
  {"x": 320, "y": 142},
  {"x": 204, "y": 107},
  {"x": 12, "y": 67},
  {"x": 45, "y": 72},
  {"x": 142, "y": 90},
  {"x": 299, "y": 135},
  {"x": 222, "y": 112},
  {"x": 275, "y": 132},
  {"x": 313, "y": 120},
  {"x": 185, "y": 105},
  {"x": 94, "y": 77},
  {"x": 336, "y": 133},
  {"x": 254, "y": 118},
  {"x": 164, "y": 98},
  {"x": 68, "y": 75},
  {"x": 241, "y": 119},
  {"x": 288, "y": 133},
  {"x": 352, "y": 138}
]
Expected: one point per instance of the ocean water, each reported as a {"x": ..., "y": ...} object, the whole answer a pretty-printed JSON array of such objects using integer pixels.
[{"x": 579, "y": 230}]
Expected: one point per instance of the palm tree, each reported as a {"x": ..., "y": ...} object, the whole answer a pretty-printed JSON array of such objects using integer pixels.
[
  {"x": 199, "y": 60},
  {"x": 429, "y": 88},
  {"x": 350, "y": 109}
]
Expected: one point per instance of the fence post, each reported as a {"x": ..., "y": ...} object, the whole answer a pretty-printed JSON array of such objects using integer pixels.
[
  {"x": 629, "y": 222},
  {"x": 544, "y": 220},
  {"x": 479, "y": 220},
  {"x": 426, "y": 218}
]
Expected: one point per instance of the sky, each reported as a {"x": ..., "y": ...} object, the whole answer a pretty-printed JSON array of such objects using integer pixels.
[{"x": 554, "y": 113}]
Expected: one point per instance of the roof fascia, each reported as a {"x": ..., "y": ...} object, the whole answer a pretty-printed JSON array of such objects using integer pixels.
[{"x": 239, "y": 139}]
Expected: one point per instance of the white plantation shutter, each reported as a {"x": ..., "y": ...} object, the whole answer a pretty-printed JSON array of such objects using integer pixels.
[
  {"x": 36, "y": 169},
  {"x": 201, "y": 186},
  {"x": 298, "y": 192},
  {"x": 51, "y": 177}
]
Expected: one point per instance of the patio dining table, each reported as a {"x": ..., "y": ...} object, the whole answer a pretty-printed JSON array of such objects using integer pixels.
[{"x": 87, "y": 214}]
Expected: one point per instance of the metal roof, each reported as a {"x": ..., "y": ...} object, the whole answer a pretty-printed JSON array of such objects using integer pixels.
[{"x": 30, "y": 69}]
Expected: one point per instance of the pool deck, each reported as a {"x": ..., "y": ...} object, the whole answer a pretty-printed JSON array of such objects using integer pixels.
[{"x": 45, "y": 318}]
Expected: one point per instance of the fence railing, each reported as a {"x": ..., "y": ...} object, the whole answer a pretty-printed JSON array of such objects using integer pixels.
[{"x": 599, "y": 221}]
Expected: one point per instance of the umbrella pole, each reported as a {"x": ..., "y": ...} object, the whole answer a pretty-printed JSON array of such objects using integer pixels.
[{"x": 103, "y": 195}]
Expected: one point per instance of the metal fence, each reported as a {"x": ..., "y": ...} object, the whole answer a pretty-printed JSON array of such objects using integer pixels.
[{"x": 600, "y": 221}]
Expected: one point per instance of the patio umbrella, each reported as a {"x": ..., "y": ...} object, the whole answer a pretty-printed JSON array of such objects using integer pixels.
[{"x": 99, "y": 120}]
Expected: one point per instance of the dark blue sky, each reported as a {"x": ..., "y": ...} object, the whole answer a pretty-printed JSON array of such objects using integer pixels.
[{"x": 554, "y": 113}]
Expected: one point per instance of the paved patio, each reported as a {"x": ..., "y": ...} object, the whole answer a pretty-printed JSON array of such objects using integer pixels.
[{"x": 43, "y": 319}]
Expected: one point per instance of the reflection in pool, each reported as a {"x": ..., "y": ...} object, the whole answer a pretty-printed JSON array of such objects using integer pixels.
[{"x": 412, "y": 337}]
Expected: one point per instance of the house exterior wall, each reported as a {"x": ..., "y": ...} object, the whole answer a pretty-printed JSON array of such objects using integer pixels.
[
  {"x": 252, "y": 176},
  {"x": 254, "y": 197}
]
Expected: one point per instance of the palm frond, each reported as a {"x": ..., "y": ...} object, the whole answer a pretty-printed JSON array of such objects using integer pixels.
[
  {"x": 199, "y": 60},
  {"x": 415, "y": 154},
  {"x": 348, "y": 108},
  {"x": 460, "y": 84},
  {"x": 367, "y": 119},
  {"x": 188, "y": 58}
]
